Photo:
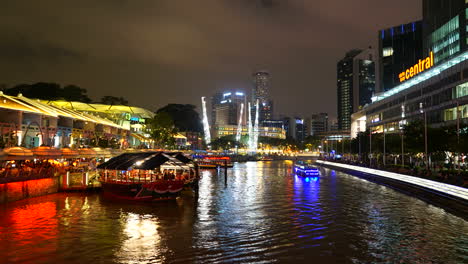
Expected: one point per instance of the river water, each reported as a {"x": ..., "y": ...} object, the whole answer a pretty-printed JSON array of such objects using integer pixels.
[{"x": 262, "y": 214}]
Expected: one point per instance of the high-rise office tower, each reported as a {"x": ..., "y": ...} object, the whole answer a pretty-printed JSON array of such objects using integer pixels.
[
  {"x": 400, "y": 47},
  {"x": 215, "y": 100},
  {"x": 318, "y": 124},
  {"x": 345, "y": 89},
  {"x": 355, "y": 84},
  {"x": 364, "y": 78},
  {"x": 228, "y": 110},
  {"x": 261, "y": 92},
  {"x": 300, "y": 129},
  {"x": 444, "y": 28}
]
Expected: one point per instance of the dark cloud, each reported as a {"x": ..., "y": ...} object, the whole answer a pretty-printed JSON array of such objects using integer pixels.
[{"x": 165, "y": 51}]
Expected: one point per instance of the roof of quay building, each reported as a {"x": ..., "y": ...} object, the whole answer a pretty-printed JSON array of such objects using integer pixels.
[
  {"x": 103, "y": 108},
  {"x": 74, "y": 110},
  {"x": 421, "y": 77}
]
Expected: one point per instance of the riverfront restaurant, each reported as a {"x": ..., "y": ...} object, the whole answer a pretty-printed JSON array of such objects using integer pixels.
[
  {"x": 32, "y": 123},
  {"x": 438, "y": 94}
]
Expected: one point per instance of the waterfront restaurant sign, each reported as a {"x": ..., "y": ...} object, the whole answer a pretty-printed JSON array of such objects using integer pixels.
[{"x": 421, "y": 66}]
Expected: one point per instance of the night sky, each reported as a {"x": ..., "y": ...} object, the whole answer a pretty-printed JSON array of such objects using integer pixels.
[{"x": 155, "y": 52}]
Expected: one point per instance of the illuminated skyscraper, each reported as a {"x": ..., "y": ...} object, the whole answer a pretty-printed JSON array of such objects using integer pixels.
[
  {"x": 261, "y": 92},
  {"x": 444, "y": 28},
  {"x": 355, "y": 84},
  {"x": 399, "y": 48},
  {"x": 227, "y": 111}
]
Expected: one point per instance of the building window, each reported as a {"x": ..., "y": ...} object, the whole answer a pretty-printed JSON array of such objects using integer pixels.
[
  {"x": 386, "y": 52},
  {"x": 461, "y": 90},
  {"x": 451, "y": 113}
]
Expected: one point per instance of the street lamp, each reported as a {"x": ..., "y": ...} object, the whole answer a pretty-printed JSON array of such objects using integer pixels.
[
  {"x": 421, "y": 110},
  {"x": 384, "y": 145},
  {"x": 402, "y": 136}
]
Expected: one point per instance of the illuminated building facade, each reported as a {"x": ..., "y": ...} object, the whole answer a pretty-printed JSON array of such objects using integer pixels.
[
  {"x": 32, "y": 123},
  {"x": 227, "y": 110},
  {"x": 272, "y": 132},
  {"x": 436, "y": 92},
  {"x": 130, "y": 118},
  {"x": 444, "y": 28},
  {"x": 440, "y": 91},
  {"x": 318, "y": 124},
  {"x": 300, "y": 129},
  {"x": 261, "y": 92},
  {"x": 399, "y": 48}
]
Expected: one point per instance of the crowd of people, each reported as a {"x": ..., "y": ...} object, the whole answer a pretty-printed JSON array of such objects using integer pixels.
[{"x": 30, "y": 168}]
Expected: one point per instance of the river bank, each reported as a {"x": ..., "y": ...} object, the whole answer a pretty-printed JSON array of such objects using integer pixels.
[{"x": 450, "y": 197}]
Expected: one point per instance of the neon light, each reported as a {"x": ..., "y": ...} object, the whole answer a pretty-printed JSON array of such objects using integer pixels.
[
  {"x": 239, "y": 94},
  {"x": 419, "y": 67},
  {"x": 250, "y": 128},
  {"x": 239, "y": 125},
  {"x": 206, "y": 125},
  {"x": 255, "y": 138},
  {"x": 227, "y": 94},
  {"x": 453, "y": 190},
  {"x": 422, "y": 77}
]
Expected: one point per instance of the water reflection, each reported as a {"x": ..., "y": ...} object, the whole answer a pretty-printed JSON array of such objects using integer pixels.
[
  {"x": 261, "y": 214},
  {"x": 141, "y": 241}
]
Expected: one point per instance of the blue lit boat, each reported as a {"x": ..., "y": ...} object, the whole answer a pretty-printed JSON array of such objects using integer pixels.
[{"x": 305, "y": 170}]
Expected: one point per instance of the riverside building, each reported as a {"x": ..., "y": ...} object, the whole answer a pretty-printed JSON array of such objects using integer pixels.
[
  {"x": 355, "y": 84},
  {"x": 399, "y": 48},
  {"x": 261, "y": 92},
  {"x": 32, "y": 123},
  {"x": 437, "y": 92}
]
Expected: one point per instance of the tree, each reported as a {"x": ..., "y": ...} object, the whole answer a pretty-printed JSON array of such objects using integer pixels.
[
  {"x": 311, "y": 142},
  {"x": 162, "y": 130},
  {"x": 113, "y": 100},
  {"x": 184, "y": 115},
  {"x": 414, "y": 135},
  {"x": 50, "y": 91},
  {"x": 75, "y": 93},
  {"x": 224, "y": 142}
]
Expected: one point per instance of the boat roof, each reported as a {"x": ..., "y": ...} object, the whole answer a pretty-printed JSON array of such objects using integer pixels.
[{"x": 147, "y": 161}]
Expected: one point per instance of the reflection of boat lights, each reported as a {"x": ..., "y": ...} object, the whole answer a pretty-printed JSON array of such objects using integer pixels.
[
  {"x": 314, "y": 179},
  {"x": 217, "y": 158}
]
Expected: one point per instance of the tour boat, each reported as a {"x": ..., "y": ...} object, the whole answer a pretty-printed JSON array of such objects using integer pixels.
[
  {"x": 213, "y": 162},
  {"x": 305, "y": 170},
  {"x": 147, "y": 176}
]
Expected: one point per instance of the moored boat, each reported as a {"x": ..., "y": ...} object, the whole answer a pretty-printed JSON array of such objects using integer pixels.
[
  {"x": 213, "y": 162},
  {"x": 147, "y": 176}
]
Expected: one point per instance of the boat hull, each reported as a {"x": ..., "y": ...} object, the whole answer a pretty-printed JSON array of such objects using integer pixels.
[
  {"x": 145, "y": 192},
  {"x": 214, "y": 166}
]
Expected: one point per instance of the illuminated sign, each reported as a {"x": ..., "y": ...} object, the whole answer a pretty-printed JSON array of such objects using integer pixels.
[{"x": 421, "y": 66}]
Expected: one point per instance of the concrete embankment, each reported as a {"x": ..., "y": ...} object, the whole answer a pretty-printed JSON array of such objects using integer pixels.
[
  {"x": 14, "y": 191},
  {"x": 450, "y": 197}
]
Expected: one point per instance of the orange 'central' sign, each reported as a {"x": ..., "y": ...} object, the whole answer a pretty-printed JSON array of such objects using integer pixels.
[{"x": 421, "y": 66}]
